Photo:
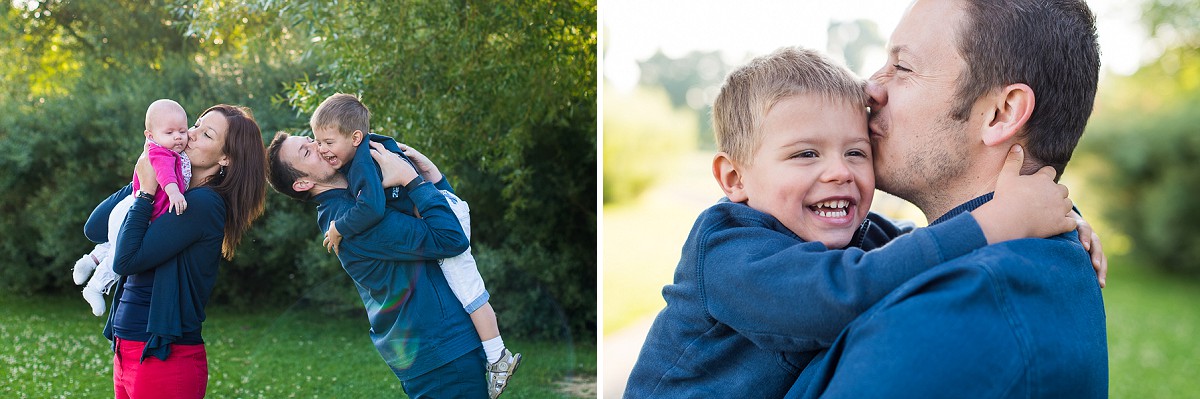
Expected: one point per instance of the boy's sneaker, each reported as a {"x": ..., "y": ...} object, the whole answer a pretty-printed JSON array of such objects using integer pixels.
[
  {"x": 500, "y": 371},
  {"x": 95, "y": 298},
  {"x": 83, "y": 269}
]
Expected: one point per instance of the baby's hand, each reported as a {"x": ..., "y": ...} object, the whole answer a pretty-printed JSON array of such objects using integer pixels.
[
  {"x": 1025, "y": 206},
  {"x": 178, "y": 203},
  {"x": 332, "y": 239}
]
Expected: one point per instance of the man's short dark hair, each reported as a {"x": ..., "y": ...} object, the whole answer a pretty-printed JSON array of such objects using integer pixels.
[
  {"x": 1049, "y": 45},
  {"x": 281, "y": 174}
]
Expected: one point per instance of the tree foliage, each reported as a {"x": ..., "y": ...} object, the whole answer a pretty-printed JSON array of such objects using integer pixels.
[
  {"x": 1143, "y": 130},
  {"x": 501, "y": 96}
]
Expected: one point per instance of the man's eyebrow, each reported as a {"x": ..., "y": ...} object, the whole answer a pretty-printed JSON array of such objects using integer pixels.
[{"x": 898, "y": 49}]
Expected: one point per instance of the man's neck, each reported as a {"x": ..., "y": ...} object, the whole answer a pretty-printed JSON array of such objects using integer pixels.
[
  {"x": 335, "y": 182},
  {"x": 952, "y": 194}
]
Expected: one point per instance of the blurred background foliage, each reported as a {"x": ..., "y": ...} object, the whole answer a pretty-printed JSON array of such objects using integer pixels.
[
  {"x": 644, "y": 136},
  {"x": 1135, "y": 164},
  {"x": 501, "y": 95},
  {"x": 1141, "y": 152}
]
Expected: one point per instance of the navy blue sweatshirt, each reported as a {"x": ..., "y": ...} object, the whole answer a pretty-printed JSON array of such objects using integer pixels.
[
  {"x": 752, "y": 303},
  {"x": 175, "y": 260},
  {"x": 417, "y": 325},
  {"x": 1019, "y": 319}
]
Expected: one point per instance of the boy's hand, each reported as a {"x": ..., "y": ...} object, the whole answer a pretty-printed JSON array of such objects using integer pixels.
[
  {"x": 396, "y": 172},
  {"x": 424, "y": 166},
  {"x": 332, "y": 239},
  {"x": 1025, "y": 206},
  {"x": 1091, "y": 242}
]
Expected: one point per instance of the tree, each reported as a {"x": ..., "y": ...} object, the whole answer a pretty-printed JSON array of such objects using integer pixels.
[
  {"x": 80, "y": 78},
  {"x": 1143, "y": 134},
  {"x": 503, "y": 96},
  {"x": 691, "y": 81}
]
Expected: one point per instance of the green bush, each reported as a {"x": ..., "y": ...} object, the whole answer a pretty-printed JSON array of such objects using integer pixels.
[
  {"x": 643, "y": 137},
  {"x": 501, "y": 96},
  {"x": 1143, "y": 139}
]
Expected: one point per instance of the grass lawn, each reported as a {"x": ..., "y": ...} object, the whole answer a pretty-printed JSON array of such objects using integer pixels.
[
  {"x": 1153, "y": 332},
  {"x": 53, "y": 347}
]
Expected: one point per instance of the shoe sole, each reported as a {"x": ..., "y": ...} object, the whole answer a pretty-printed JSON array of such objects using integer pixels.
[{"x": 511, "y": 372}]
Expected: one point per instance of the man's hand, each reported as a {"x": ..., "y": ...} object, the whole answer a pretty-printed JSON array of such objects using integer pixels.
[
  {"x": 1091, "y": 242},
  {"x": 396, "y": 172},
  {"x": 332, "y": 238},
  {"x": 1025, "y": 206},
  {"x": 424, "y": 166}
]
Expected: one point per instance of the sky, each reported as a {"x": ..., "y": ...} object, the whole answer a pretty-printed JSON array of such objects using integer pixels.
[{"x": 633, "y": 30}]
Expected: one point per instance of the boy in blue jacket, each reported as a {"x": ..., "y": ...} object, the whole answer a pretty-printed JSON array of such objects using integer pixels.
[
  {"x": 774, "y": 272},
  {"x": 339, "y": 125}
]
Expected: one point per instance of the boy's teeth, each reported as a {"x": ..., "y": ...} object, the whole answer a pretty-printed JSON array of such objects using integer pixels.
[
  {"x": 832, "y": 214},
  {"x": 833, "y": 204}
]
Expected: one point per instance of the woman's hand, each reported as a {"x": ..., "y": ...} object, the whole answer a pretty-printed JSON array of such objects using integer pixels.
[
  {"x": 396, "y": 172},
  {"x": 424, "y": 166},
  {"x": 146, "y": 175}
]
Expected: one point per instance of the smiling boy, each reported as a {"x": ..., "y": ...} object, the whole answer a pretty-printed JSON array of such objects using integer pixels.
[
  {"x": 339, "y": 127},
  {"x": 772, "y": 273}
]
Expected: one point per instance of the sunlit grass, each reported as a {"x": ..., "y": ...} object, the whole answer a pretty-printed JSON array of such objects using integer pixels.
[
  {"x": 53, "y": 347},
  {"x": 1153, "y": 332}
]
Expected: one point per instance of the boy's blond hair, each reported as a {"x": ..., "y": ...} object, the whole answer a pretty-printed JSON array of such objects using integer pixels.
[
  {"x": 752, "y": 89},
  {"x": 344, "y": 112}
]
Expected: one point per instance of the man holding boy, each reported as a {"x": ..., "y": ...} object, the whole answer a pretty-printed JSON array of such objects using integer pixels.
[
  {"x": 1018, "y": 319},
  {"x": 429, "y": 342}
]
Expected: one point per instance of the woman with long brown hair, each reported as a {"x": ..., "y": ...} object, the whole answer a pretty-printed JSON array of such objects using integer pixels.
[{"x": 169, "y": 267}]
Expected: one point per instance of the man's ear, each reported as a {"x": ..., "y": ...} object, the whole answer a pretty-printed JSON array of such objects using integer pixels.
[
  {"x": 1009, "y": 111},
  {"x": 302, "y": 185},
  {"x": 725, "y": 170},
  {"x": 357, "y": 137}
]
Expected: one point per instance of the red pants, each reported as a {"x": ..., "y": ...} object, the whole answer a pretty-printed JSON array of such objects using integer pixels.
[{"x": 183, "y": 375}]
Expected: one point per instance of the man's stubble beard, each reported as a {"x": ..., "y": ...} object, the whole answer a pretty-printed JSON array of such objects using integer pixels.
[{"x": 926, "y": 175}]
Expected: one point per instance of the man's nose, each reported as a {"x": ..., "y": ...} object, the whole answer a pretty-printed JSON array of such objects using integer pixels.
[{"x": 876, "y": 93}]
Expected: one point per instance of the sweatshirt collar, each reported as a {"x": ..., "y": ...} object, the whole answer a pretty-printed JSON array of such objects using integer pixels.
[{"x": 966, "y": 207}]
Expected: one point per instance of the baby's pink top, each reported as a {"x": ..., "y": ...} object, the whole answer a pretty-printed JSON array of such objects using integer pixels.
[{"x": 168, "y": 168}]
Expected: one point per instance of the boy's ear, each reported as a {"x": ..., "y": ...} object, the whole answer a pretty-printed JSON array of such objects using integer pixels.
[
  {"x": 357, "y": 137},
  {"x": 725, "y": 170},
  {"x": 1010, "y": 110}
]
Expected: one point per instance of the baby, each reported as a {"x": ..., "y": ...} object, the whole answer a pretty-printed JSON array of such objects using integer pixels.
[{"x": 166, "y": 138}]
